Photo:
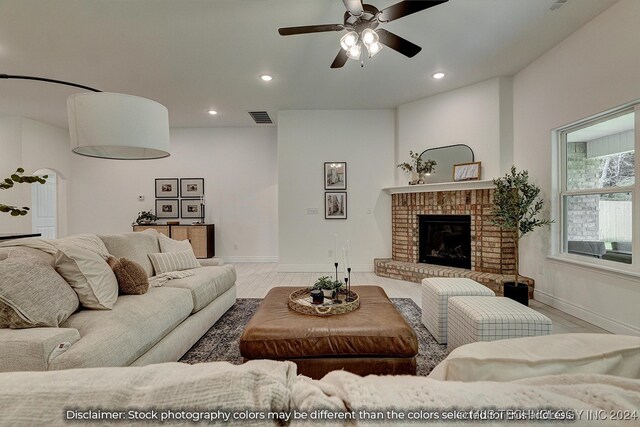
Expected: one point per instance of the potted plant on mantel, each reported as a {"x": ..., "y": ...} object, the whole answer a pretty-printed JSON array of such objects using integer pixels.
[
  {"x": 516, "y": 205},
  {"x": 418, "y": 168}
]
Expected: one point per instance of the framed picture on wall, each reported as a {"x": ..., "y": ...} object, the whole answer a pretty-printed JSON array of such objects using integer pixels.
[
  {"x": 335, "y": 205},
  {"x": 466, "y": 171},
  {"x": 167, "y": 208},
  {"x": 166, "y": 187},
  {"x": 191, "y": 208},
  {"x": 191, "y": 187},
  {"x": 335, "y": 175}
]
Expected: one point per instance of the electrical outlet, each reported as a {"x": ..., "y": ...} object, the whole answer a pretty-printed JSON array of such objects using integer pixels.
[
  {"x": 235, "y": 246},
  {"x": 541, "y": 269},
  {"x": 369, "y": 210},
  {"x": 330, "y": 253},
  {"x": 313, "y": 211}
]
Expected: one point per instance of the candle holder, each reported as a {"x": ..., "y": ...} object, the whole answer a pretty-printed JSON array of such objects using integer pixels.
[
  {"x": 347, "y": 297},
  {"x": 336, "y": 265},
  {"x": 348, "y": 283}
]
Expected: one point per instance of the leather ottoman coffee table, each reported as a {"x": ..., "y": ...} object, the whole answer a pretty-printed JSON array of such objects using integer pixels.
[{"x": 374, "y": 339}]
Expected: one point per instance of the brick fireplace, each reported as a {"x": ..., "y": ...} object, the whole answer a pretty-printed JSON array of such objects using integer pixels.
[{"x": 492, "y": 251}]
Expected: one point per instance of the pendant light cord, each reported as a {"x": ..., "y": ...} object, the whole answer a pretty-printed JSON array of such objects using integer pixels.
[{"x": 43, "y": 79}]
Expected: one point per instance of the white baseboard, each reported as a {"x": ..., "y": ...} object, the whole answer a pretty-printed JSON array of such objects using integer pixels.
[
  {"x": 322, "y": 268},
  {"x": 603, "y": 322},
  {"x": 232, "y": 259}
]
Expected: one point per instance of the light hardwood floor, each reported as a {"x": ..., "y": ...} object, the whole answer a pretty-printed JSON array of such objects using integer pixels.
[{"x": 255, "y": 280}]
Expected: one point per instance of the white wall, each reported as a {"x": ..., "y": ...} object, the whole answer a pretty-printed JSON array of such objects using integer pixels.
[
  {"x": 33, "y": 146},
  {"x": 239, "y": 168},
  {"x": 306, "y": 139},
  {"x": 593, "y": 70},
  {"x": 478, "y": 116}
]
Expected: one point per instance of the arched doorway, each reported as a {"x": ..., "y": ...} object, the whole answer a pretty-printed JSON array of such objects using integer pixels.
[{"x": 45, "y": 205}]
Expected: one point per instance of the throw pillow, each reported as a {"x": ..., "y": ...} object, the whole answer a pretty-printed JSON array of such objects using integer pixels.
[
  {"x": 89, "y": 275},
  {"x": 173, "y": 261},
  {"x": 132, "y": 279},
  {"x": 168, "y": 244},
  {"x": 32, "y": 294},
  {"x": 90, "y": 242}
]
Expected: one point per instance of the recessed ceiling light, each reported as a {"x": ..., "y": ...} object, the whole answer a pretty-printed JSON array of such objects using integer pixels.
[
  {"x": 438, "y": 75},
  {"x": 213, "y": 112},
  {"x": 266, "y": 77}
]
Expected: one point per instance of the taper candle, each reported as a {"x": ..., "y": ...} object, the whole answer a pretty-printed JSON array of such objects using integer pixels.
[
  {"x": 335, "y": 252},
  {"x": 348, "y": 255},
  {"x": 344, "y": 254}
]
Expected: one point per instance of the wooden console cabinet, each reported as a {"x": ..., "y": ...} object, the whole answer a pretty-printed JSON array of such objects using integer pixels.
[{"x": 201, "y": 236}]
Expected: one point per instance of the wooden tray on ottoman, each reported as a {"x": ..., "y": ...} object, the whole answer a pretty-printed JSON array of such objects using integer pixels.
[
  {"x": 374, "y": 339},
  {"x": 300, "y": 301}
]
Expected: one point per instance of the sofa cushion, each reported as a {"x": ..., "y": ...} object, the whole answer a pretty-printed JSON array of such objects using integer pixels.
[
  {"x": 206, "y": 284},
  {"x": 119, "y": 336},
  {"x": 89, "y": 275},
  {"x": 32, "y": 294},
  {"x": 513, "y": 359},
  {"x": 134, "y": 246},
  {"x": 31, "y": 349},
  {"x": 168, "y": 244},
  {"x": 173, "y": 261}
]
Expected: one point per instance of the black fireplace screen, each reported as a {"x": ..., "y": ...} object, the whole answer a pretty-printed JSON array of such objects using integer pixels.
[{"x": 445, "y": 240}]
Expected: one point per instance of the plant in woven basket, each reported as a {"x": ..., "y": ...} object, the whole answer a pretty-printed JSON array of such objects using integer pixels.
[
  {"x": 326, "y": 284},
  {"x": 18, "y": 177}
]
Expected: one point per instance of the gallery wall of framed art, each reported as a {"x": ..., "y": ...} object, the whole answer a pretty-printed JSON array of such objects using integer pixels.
[
  {"x": 180, "y": 198},
  {"x": 335, "y": 179}
]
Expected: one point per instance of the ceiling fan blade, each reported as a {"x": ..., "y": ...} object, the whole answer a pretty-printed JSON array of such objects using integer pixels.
[
  {"x": 289, "y": 31},
  {"x": 354, "y": 7},
  {"x": 341, "y": 59},
  {"x": 397, "y": 43},
  {"x": 405, "y": 8}
]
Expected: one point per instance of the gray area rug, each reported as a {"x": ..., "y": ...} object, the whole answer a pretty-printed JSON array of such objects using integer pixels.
[{"x": 221, "y": 342}]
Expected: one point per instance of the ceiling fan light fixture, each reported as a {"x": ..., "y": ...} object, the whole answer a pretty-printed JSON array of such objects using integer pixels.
[
  {"x": 349, "y": 40},
  {"x": 369, "y": 37},
  {"x": 374, "y": 48},
  {"x": 355, "y": 52}
]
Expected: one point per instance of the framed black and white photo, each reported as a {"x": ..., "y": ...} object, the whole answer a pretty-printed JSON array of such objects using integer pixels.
[
  {"x": 166, "y": 187},
  {"x": 167, "y": 208},
  {"x": 466, "y": 171},
  {"x": 335, "y": 205},
  {"x": 191, "y": 208},
  {"x": 335, "y": 175},
  {"x": 191, "y": 187}
]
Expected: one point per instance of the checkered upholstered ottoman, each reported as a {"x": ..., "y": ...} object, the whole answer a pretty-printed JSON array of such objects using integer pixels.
[
  {"x": 435, "y": 296},
  {"x": 472, "y": 319}
]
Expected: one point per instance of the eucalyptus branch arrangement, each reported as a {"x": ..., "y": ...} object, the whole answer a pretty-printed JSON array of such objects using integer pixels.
[
  {"x": 419, "y": 166},
  {"x": 18, "y": 177},
  {"x": 516, "y": 205}
]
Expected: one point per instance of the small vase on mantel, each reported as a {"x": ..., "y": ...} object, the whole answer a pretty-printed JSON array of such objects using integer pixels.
[
  {"x": 422, "y": 178},
  {"x": 414, "y": 178}
]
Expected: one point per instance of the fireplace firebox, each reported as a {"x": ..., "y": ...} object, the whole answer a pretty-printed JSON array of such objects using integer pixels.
[{"x": 445, "y": 240}]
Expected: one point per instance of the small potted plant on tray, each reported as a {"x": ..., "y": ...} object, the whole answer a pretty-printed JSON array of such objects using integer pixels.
[{"x": 328, "y": 286}]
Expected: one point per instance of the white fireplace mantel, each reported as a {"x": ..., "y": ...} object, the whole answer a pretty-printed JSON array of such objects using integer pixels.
[{"x": 441, "y": 186}]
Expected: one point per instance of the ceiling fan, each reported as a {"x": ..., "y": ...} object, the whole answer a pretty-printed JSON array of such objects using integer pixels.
[{"x": 361, "y": 21}]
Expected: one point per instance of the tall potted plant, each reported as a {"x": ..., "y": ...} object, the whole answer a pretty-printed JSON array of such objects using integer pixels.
[{"x": 516, "y": 206}]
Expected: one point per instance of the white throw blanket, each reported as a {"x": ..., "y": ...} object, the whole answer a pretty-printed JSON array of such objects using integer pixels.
[{"x": 161, "y": 279}]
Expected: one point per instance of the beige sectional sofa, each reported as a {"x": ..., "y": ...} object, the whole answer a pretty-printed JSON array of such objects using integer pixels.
[{"x": 158, "y": 326}]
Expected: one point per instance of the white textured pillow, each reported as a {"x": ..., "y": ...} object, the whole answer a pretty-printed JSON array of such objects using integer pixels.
[
  {"x": 517, "y": 358},
  {"x": 173, "y": 261},
  {"x": 168, "y": 244},
  {"x": 89, "y": 275}
]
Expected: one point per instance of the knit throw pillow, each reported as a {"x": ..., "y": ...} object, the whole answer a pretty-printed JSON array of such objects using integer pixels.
[
  {"x": 32, "y": 294},
  {"x": 131, "y": 277}
]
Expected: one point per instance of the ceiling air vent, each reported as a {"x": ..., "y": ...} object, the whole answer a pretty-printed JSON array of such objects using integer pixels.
[
  {"x": 260, "y": 117},
  {"x": 558, "y": 4}
]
